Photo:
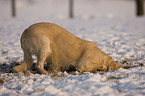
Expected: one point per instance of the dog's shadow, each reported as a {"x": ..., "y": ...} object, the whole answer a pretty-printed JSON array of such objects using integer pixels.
[{"x": 8, "y": 68}]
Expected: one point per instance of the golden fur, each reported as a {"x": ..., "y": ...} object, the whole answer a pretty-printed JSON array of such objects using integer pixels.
[{"x": 52, "y": 43}]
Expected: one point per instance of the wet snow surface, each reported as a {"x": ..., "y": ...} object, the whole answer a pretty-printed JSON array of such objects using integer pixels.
[{"x": 122, "y": 37}]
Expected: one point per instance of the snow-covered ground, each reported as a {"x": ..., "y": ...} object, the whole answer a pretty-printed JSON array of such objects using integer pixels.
[{"x": 110, "y": 24}]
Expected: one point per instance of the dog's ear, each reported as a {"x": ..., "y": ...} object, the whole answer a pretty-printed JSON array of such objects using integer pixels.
[{"x": 107, "y": 60}]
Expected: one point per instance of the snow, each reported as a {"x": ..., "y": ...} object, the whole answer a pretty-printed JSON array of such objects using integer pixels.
[{"x": 114, "y": 28}]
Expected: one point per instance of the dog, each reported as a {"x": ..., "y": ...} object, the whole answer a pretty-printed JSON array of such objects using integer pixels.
[{"x": 62, "y": 50}]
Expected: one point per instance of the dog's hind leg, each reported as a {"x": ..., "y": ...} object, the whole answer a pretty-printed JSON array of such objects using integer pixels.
[{"x": 27, "y": 63}]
